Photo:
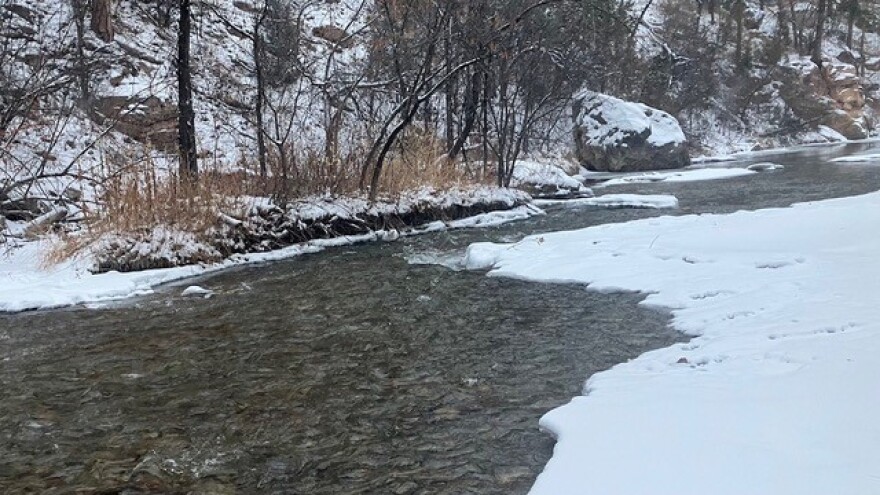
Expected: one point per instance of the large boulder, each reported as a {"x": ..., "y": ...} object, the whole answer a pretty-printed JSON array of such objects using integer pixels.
[{"x": 613, "y": 135}]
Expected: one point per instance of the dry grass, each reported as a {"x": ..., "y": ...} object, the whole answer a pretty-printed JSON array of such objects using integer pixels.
[
  {"x": 420, "y": 161},
  {"x": 138, "y": 197}
]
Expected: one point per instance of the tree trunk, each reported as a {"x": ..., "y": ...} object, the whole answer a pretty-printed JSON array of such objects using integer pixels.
[
  {"x": 82, "y": 72},
  {"x": 821, "y": 14},
  {"x": 795, "y": 31},
  {"x": 186, "y": 131},
  {"x": 852, "y": 12},
  {"x": 450, "y": 90},
  {"x": 261, "y": 92},
  {"x": 739, "y": 7},
  {"x": 471, "y": 104},
  {"x": 102, "y": 19}
]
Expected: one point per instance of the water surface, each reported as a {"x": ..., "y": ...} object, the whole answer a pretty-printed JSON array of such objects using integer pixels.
[{"x": 348, "y": 371}]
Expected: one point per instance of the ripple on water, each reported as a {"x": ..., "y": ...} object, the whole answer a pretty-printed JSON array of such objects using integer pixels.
[{"x": 351, "y": 371}]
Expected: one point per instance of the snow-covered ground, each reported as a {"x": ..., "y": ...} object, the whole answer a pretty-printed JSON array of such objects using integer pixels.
[
  {"x": 777, "y": 393},
  {"x": 29, "y": 284}
]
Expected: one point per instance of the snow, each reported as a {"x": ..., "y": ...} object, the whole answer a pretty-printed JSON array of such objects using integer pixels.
[
  {"x": 871, "y": 157},
  {"x": 527, "y": 172},
  {"x": 777, "y": 391},
  {"x": 197, "y": 290},
  {"x": 28, "y": 284},
  {"x": 616, "y": 201},
  {"x": 765, "y": 167},
  {"x": 687, "y": 175},
  {"x": 608, "y": 121}
]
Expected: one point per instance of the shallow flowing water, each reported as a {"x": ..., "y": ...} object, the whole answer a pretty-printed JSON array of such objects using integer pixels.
[{"x": 349, "y": 371}]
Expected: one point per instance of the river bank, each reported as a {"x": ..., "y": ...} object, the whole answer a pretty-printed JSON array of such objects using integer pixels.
[
  {"x": 353, "y": 369},
  {"x": 778, "y": 380}
]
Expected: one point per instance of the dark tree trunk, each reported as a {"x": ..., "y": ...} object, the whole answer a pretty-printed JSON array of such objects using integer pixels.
[
  {"x": 738, "y": 8},
  {"x": 186, "y": 131},
  {"x": 471, "y": 104},
  {"x": 816, "y": 51},
  {"x": 450, "y": 91},
  {"x": 82, "y": 71},
  {"x": 102, "y": 19},
  {"x": 852, "y": 12},
  {"x": 485, "y": 127},
  {"x": 261, "y": 91}
]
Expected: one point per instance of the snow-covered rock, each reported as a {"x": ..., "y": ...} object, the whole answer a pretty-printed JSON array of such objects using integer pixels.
[
  {"x": 545, "y": 179},
  {"x": 765, "y": 167},
  {"x": 620, "y": 136},
  {"x": 650, "y": 201},
  {"x": 198, "y": 291}
]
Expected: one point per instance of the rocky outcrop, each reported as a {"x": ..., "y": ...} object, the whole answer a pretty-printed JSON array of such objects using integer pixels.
[
  {"x": 832, "y": 96},
  {"x": 614, "y": 135}
]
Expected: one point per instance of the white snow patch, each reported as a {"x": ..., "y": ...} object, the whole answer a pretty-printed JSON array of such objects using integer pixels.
[
  {"x": 687, "y": 175},
  {"x": 527, "y": 172},
  {"x": 872, "y": 157},
  {"x": 616, "y": 201},
  {"x": 765, "y": 167},
  {"x": 607, "y": 121},
  {"x": 776, "y": 394},
  {"x": 195, "y": 290}
]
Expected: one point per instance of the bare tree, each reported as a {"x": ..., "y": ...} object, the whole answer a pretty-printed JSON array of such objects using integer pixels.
[{"x": 186, "y": 131}]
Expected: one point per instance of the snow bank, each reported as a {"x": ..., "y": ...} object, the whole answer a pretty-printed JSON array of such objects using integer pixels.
[
  {"x": 28, "y": 284},
  {"x": 616, "y": 201},
  {"x": 776, "y": 394},
  {"x": 690, "y": 175}
]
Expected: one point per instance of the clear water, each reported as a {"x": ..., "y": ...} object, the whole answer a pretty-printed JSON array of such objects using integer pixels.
[{"x": 348, "y": 371}]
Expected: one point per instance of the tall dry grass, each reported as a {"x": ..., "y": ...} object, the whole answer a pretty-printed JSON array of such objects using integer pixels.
[{"x": 137, "y": 195}]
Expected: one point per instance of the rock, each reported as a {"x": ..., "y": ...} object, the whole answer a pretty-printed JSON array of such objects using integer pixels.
[
  {"x": 213, "y": 487},
  {"x": 546, "y": 180},
  {"x": 389, "y": 235},
  {"x": 333, "y": 34},
  {"x": 765, "y": 166},
  {"x": 195, "y": 290},
  {"x": 151, "y": 476},
  {"x": 613, "y": 135},
  {"x": 72, "y": 194},
  {"x": 832, "y": 97}
]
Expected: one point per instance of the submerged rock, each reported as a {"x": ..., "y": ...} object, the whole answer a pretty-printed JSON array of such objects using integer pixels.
[
  {"x": 614, "y": 135},
  {"x": 765, "y": 166},
  {"x": 195, "y": 290}
]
